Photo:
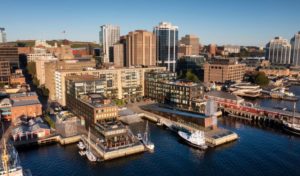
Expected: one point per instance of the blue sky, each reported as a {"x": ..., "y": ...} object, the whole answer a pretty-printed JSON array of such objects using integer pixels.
[{"x": 242, "y": 22}]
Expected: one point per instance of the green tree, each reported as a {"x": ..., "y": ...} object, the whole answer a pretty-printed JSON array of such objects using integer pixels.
[
  {"x": 191, "y": 76},
  {"x": 261, "y": 79}
]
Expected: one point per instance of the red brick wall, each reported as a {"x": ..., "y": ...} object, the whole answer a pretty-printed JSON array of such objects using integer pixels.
[{"x": 29, "y": 110}]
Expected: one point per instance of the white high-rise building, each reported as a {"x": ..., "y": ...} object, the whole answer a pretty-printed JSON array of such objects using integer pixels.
[
  {"x": 295, "y": 56},
  {"x": 109, "y": 35},
  {"x": 2, "y": 35},
  {"x": 167, "y": 45},
  {"x": 279, "y": 51}
]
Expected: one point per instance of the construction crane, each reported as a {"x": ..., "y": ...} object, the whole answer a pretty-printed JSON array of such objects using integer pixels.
[{"x": 5, "y": 158}]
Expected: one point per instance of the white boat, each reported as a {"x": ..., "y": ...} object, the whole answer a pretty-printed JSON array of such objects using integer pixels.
[
  {"x": 139, "y": 136},
  {"x": 81, "y": 146},
  {"x": 148, "y": 144},
  {"x": 90, "y": 156},
  {"x": 88, "y": 152},
  {"x": 82, "y": 153},
  {"x": 291, "y": 126},
  {"x": 195, "y": 139}
]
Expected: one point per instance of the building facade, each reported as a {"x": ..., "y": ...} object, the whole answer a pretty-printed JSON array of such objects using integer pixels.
[
  {"x": 108, "y": 36},
  {"x": 141, "y": 48},
  {"x": 119, "y": 55},
  {"x": 221, "y": 70},
  {"x": 51, "y": 67},
  {"x": 184, "y": 50},
  {"x": 194, "y": 63},
  {"x": 2, "y": 35},
  {"x": 4, "y": 72},
  {"x": 162, "y": 87},
  {"x": 193, "y": 41},
  {"x": 167, "y": 45},
  {"x": 120, "y": 83},
  {"x": 11, "y": 55},
  {"x": 279, "y": 51},
  {"x": 84, "y": 99},
  {"x": 295, "y": 53}
]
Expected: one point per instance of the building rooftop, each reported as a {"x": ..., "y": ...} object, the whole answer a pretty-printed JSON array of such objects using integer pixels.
[
  {"x": 24, "y": 94},
  {"x": 25, "y": 102},
  {"x": 82, "y": 78},
  {"x": 224, "y": 95}
]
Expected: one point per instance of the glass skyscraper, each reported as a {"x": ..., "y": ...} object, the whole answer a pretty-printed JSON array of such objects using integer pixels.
[
  {"x": 295, "y": 56},
  {"x": 109, "y": 35},
  {"x": 2, "y": 35},
  {"x": 167, "y": 45}
]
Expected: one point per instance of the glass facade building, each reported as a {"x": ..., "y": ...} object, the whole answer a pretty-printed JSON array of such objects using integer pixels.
[
  {"x": 167, "y": 45},
  {"x": 295, "y": 55},
  {"x": 108, "y": 36}
]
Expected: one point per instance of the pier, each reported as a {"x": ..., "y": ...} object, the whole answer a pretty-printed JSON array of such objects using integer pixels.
[
  {"x": 104, "y": 154},
  {"x": 213, "y": 137},
  {"x": 237, "y": 107}
]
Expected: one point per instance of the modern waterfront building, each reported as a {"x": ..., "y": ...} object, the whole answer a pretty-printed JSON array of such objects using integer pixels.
[
  {"x": 141, "y": 48},
  {"x": 279, "y": 51},
  {"x": 221, "y": 70},
  {"x": 167, "y": 45},
  {"x": 193, "y": 41},
  {"x": 162, "y": 87},
  {"x": 85, "y": 99},
  {"x": 120, "y": 83},
  {"x": 109, "y": 35},
  {"x": 295, "y": 53},
  {"x": 2, "y": 35}
]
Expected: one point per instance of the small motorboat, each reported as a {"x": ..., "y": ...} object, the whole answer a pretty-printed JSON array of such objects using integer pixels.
[
  {"x": 81, "y": 145},
  {"x": 82, "y": 153},
  {"x": 139, "y": 136}
]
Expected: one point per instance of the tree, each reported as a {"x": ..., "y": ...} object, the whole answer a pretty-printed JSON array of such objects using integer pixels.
[
  {"x": 261, "y": 79},
  {"x": 191, "y": 76}
]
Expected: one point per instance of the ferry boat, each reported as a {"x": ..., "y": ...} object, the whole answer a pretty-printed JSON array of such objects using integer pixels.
[
  {"x": 284, "y": 95},
  {"x": 291, "y": 126},
  {"x": 10, "y": 163},
  {"x": 245, "y": 90},
  {"x": 195, "y": 139},
  {"x": 148, "y": 144}
]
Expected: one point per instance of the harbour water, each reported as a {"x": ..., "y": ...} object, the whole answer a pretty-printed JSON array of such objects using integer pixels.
[{"x": 260, "y": 150}]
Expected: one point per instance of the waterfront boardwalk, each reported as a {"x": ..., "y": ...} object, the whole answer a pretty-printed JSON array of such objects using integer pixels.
[{"x": 213, "y": 137}]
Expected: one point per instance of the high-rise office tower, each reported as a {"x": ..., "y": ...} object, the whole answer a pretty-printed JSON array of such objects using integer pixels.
[
  {"x": 141, "y": 48},
  {"x": 193, "y": 41},
  {"x": 118, "y": 55},
  {"x": 2, "y": 35},
  {"x": 167, "y": 45},
  {"x": 279, "y": 51},
  {"x": 109, "y": 35},
  {"x": 295, "y": 54}
]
